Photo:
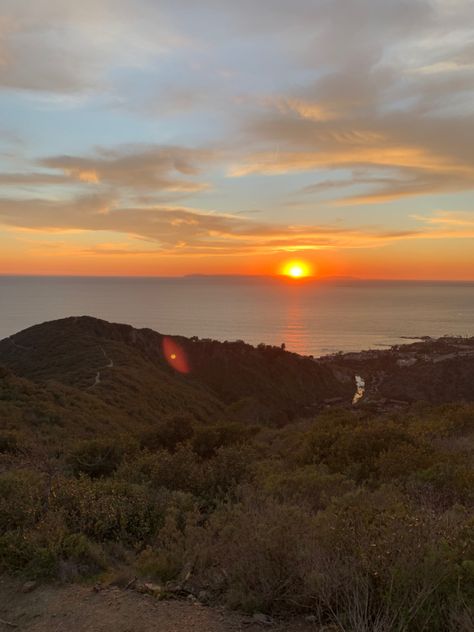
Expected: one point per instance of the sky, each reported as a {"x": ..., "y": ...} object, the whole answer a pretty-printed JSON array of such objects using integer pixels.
[{"x": 170, "y": 137}]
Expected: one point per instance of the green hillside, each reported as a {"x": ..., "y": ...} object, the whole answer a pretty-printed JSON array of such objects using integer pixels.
[
  {"x": 233, "y": 483},
  {"x": 264, "y": 384}
]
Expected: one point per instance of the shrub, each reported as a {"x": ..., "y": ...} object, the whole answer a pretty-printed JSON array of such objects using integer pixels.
[
  {"x": 354, "y": 450},
  {"x": 222, "y": 474},
  {"x": 23, "y": 552},
  {"x": 451, "y": 481},
  {"x": 402, "y": 461},
  {"x": 80, "y": 557},
  {"x": 208, "y": 439},
  {"x": 169, "y": 434},
  {"x": 409, "y": 556},
  {"x": 107, "y": 509},
  {"x": 310, "y": 486},
  {"x": 167, "y": 558},
  {"x": 97, "y": 457},
  {"x": 9, "y": 443},
  {"x": 21, "y": 499},
  {"x": 252, "y": 551}
]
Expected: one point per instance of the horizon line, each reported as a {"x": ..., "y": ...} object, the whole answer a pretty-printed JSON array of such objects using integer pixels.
[{"x": 234, "y": 276}]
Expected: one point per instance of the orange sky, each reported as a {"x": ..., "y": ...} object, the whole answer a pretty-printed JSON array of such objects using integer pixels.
[
  {"x": 229, "y": 138},
  {"x": 412, "y": 262}
]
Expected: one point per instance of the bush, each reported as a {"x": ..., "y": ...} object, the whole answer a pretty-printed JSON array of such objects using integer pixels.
[
  {"x": 208, "y": 439},
  {"x": 80, "y": 557},
  {"x": 254, "y": 552},
  {"x": 310, "y": 486},
  {"x": 410, "y": 557},
  {"x": 24, "y": 553},
  {"x": 9, "y": 443},
  {"x": 451, "y": 481},
  {"x": 178, "y": 471},
  {"x": 22, "y": 496},
  {"x": 168, "y": 434},
  {"x": 354, "y": 449},
  {"x": 222, "y": 474},
  {"x": 107, "y": 509},
  {"x": 168, "y": 557},
  {"x": 97, "y": 457}
]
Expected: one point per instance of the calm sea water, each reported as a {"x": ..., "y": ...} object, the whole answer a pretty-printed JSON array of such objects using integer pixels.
[{"x": 309, "y": 317}]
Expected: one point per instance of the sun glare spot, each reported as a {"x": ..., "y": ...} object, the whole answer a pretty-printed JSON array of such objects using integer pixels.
[
  {"x": 175, "y": 355},
  {"x": 296, "y": 269}
]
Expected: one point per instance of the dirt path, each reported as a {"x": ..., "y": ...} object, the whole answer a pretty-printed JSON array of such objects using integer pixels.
[
  {"x": 109, "y": 365},
  {"x": 75, "y": 608},
  {"x": 16, "y": 345}
]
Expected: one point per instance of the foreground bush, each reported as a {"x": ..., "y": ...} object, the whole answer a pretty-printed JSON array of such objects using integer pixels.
[
  {"x": 369, "y": 561},
  {"x": 22, "y": 497},
  {"x": 98, "y": 457},
  {"x": 107, "y": 509},
  {"x": 366, "y": 523}
]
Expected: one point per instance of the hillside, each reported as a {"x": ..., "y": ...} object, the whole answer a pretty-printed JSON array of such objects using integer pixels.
[
  {"x": 158, "y": 469},
  {"x": 264, "y": 384},
  {"x": 430, "y": 370}
]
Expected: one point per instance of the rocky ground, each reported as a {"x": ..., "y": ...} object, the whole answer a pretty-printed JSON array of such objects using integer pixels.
[{"x": 74, "y": 608}]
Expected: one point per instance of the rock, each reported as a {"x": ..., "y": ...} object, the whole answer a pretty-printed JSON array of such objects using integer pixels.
[
  {"x": 176, "y": 589},
  {"x": 152, "y": 589},
  {"x": 28, "y": 586},
  {"x": 187, "y": 572},
  {"x": 262, "y": 619},
  {"x": 131, "y": 583},
  {"x": 204, "y": 596}
]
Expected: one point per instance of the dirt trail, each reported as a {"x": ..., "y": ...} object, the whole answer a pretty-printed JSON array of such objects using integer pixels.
[
  {"x": 109, "y": 365},
  {"x": 74, "y": 608}
]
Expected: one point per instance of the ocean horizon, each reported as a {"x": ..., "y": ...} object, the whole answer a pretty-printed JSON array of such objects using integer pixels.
[{"x": 314, "y": 316}]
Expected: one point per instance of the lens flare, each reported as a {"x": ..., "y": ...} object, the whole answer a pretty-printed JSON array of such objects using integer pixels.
[{"x": 175, "y": 355}]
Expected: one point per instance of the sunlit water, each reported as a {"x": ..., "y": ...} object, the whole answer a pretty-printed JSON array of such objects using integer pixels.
[
  {"x": 309, "y": 317},
  {"x": 360, "y": 389}
]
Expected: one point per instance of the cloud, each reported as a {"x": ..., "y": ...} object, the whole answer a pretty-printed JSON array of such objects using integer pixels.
[
  {"x": 32, "y": 178},
  {"x": 180, "y": 230},
  {"x": 392, "y": 92},
  {"x": 417, "y": 156},
  {"x": 138, "y": 168},
  {"x": 65, "y": 47},
  {"x": 449, "y": 219}
]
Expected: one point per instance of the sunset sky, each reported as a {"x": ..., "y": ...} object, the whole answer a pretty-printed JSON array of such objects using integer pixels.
[{"x": 167, "y": 137}]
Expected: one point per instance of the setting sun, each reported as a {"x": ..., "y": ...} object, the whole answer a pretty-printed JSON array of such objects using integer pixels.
[{"x": 296, "y": 269}]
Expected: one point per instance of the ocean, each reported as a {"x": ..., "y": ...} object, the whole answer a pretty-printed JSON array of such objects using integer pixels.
[{"x": 311, "y": 317}]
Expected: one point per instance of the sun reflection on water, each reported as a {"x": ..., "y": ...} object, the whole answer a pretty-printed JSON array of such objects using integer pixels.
[{"x": 294, "y": 332}]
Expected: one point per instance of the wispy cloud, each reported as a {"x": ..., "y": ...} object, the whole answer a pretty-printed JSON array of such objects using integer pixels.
[
  {"x": 174, "y": 230},
  {"x": 64, "y": 47},
  {"x": 449, "y": 219},
  {"x": 417, "y": 157},
  {"x": 138, "y": 168}
]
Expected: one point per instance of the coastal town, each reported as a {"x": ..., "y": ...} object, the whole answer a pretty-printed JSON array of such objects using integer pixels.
[{"x": 425, "y": 369}]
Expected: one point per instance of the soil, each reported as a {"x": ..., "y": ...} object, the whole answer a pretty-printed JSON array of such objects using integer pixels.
[{"x": 76, "y": 608}]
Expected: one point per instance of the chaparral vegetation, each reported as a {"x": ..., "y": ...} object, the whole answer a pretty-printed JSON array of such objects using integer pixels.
[{"x": 230, "y": 483}]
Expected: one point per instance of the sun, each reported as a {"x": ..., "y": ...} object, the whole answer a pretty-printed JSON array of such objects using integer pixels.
[{"x": 296, "y": 269}]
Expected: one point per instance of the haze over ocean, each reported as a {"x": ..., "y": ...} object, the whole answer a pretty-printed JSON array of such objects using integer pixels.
[{"x": 310, "y": 317}]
